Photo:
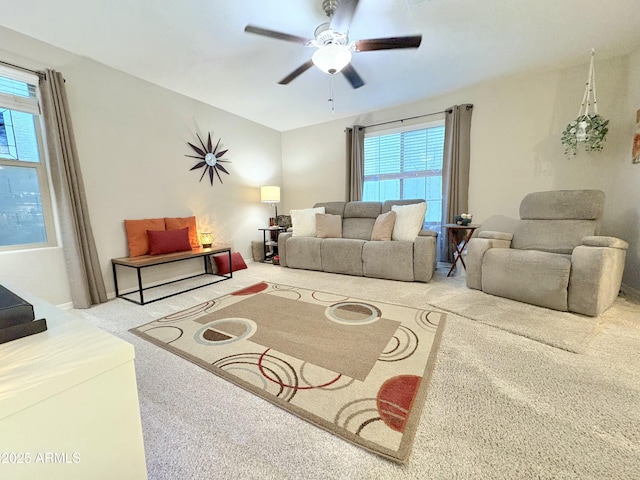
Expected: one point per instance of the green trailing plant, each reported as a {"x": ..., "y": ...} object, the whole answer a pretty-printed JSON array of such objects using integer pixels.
[{"x": 595, "y": 132}]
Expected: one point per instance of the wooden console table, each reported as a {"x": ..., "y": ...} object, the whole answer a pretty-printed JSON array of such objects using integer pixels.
[{"x": 144, "y": 261}]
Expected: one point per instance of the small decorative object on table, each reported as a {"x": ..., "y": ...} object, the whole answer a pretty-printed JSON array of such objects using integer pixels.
[
  {"x": 463, "y": 219},
  {"x": 206, "y": 239}
]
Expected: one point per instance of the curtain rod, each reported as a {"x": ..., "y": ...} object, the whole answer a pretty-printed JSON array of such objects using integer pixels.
[
  {"x": 448, "y": 110},
  {"x": 36, "y": 72}
]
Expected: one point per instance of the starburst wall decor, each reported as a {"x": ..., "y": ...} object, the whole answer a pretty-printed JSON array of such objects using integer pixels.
[{"x": 209, "y": 158}]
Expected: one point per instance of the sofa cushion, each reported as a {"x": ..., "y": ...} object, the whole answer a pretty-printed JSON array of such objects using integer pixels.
[
  {"x": 182, "y": 222},
  {"x": 391, "y": 260},
  {"x": 304, "y": 221},
  {"x": 409, "y": 221},
  {"x": 334, "y": 208},
  {"x": 137, "y": 238},
  {"x": 362, "y": 210},
  {"x": 388, "y": 204},
  {"x": 328, "y": 226},
  {"x": 168, "y": 241},
  {"x": 304, "y": 252},
  {"x": 538, "y": 278},
  {"x": 342, "y": 255},
  {"x": 383, "y": 226}
]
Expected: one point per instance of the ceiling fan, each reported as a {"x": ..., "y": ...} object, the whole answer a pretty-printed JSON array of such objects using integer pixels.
[{"x": 331, "y": 39}]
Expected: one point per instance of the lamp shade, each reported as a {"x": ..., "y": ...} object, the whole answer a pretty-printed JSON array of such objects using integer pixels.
[
  {"x": 270, "y": 194},
  {"x": 331, "y": 58}
]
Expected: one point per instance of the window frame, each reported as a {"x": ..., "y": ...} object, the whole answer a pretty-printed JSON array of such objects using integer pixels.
[
  {"x": 379, "y": 132},
  {"x": 31, "y": 106}
]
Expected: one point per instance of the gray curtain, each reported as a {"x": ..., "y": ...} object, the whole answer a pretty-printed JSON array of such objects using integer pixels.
[
  {"x": 355, "y": 163},
  {"x": 455, "y": 170},
  {"x": 81, "y": 257}
]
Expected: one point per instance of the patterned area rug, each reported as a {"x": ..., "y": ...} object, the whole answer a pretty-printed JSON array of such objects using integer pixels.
[{"x": 358, "y": 369}]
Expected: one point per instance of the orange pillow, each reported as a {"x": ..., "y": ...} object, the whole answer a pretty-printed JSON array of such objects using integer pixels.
[
  {"x": 137, "y": 234},
  {"x": 178, "y": 223}
]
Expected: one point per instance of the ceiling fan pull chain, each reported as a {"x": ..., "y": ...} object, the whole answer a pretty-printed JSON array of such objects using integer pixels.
[{"x": 333, "y": 111}]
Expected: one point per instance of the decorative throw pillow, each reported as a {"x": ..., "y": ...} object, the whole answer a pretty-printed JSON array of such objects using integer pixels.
[
  {"x": 328, "y": 226},
  {"x": 304, "y": 221},
  {"x": 383, "y": 228},
  {"x": 409, "y": 221},
  {"x": 168, "y": 241},
  {"x": 137, "y": 238},
  {"x": 222, "y": 262},
  {"x": 182, "y": 222}
]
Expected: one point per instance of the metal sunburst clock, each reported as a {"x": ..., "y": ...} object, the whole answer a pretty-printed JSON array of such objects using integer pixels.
[{"x": 210, "y": 158}]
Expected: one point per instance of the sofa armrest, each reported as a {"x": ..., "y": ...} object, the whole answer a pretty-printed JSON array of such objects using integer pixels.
[
  {"x": 282, "y": 247},
  {"x": 427, "y": 233},
  {"x": 596, "y": 274},
  {"x": 476, "y": 249},
  {"x": 424, "y": 256}
]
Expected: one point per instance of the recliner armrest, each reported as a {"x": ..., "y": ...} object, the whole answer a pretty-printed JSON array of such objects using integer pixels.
[
  {"x": 602, "y": 241},
  {"x": 492, "y": 235},
  {"x": 476, "y": 248}
]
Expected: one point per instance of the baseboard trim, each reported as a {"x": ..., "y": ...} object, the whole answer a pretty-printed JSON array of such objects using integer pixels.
[{"x": 630, "y": 292}]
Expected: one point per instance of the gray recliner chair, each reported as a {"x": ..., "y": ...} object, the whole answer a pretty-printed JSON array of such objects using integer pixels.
[{"x": 553, "y": 256}]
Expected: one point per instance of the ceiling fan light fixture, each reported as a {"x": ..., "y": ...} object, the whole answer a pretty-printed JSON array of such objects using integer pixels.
[{"x": 332, "y": 58}]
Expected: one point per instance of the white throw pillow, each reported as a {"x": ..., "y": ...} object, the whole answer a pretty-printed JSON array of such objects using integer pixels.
[
  {"x": 409, "y": 221},
  {"x": 303, "y": 221}
]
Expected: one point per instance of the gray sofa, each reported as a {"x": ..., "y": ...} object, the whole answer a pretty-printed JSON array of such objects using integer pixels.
[
  {"x": 552, "y": 257},
  {"x": 355, "y": 253}
]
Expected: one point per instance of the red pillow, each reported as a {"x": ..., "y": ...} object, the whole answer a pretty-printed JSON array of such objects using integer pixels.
[
  {"x": 168, "y": 241},
  {"x": 181, "y": 222},
  {"x": 222, "y": 262}
]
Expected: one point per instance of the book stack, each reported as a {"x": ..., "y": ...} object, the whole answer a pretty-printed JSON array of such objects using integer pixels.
[{"x": 17, "y": 317}]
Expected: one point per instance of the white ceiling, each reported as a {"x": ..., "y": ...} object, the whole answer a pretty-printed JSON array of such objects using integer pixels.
[{"x": 199, "y": 48}]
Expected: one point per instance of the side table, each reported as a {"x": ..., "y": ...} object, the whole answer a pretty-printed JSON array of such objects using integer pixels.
[
  {"x": 459, "y": 236},
  {"x": 269, "y": 245}
]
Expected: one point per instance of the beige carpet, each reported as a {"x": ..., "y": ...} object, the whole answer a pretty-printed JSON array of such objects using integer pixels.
[
  {"x": 500, "y": 405},
  {"x": 358, "y": 369}
]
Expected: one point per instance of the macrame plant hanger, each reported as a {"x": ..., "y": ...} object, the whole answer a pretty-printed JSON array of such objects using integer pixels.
[
  {"x": 589, "y": 128},
  {"x": 589, "y": 94}
]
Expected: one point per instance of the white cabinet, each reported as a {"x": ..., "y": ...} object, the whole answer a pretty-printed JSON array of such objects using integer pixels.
[{"x": 69, "y": 403}]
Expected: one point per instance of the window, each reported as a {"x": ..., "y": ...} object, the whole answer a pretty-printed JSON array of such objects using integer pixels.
[
  {"x": 406, "y": 164},
  {"x": 26, "y": 218}
]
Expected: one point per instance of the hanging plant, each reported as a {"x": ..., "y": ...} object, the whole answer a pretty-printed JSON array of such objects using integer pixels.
[{"x": 589, "y": 128}]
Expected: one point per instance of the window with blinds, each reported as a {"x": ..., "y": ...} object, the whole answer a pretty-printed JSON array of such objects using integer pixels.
[
  {"x": 26, "y": 214},
  {"x": 406, "y": 164}
]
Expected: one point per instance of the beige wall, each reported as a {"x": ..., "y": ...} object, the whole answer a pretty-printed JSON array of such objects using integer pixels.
[
  {"x": 515, "y": 147},
  {"x": 131, "y": 138}
]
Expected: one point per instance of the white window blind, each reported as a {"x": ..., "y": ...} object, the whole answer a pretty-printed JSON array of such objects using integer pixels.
[{"x": 406, "y": 164}]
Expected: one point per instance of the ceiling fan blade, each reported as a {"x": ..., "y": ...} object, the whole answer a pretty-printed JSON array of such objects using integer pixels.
[
  {"x": 301, "y": 69},
  {"x": 354, "y": 79},
  {"x": 388, "y": 43},
  {"x": 273, "y": 34},
  {"x": 342, "y": 17}
]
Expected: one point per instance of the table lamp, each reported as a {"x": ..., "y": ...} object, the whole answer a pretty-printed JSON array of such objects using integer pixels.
[{"x": 270, "y": 194}]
